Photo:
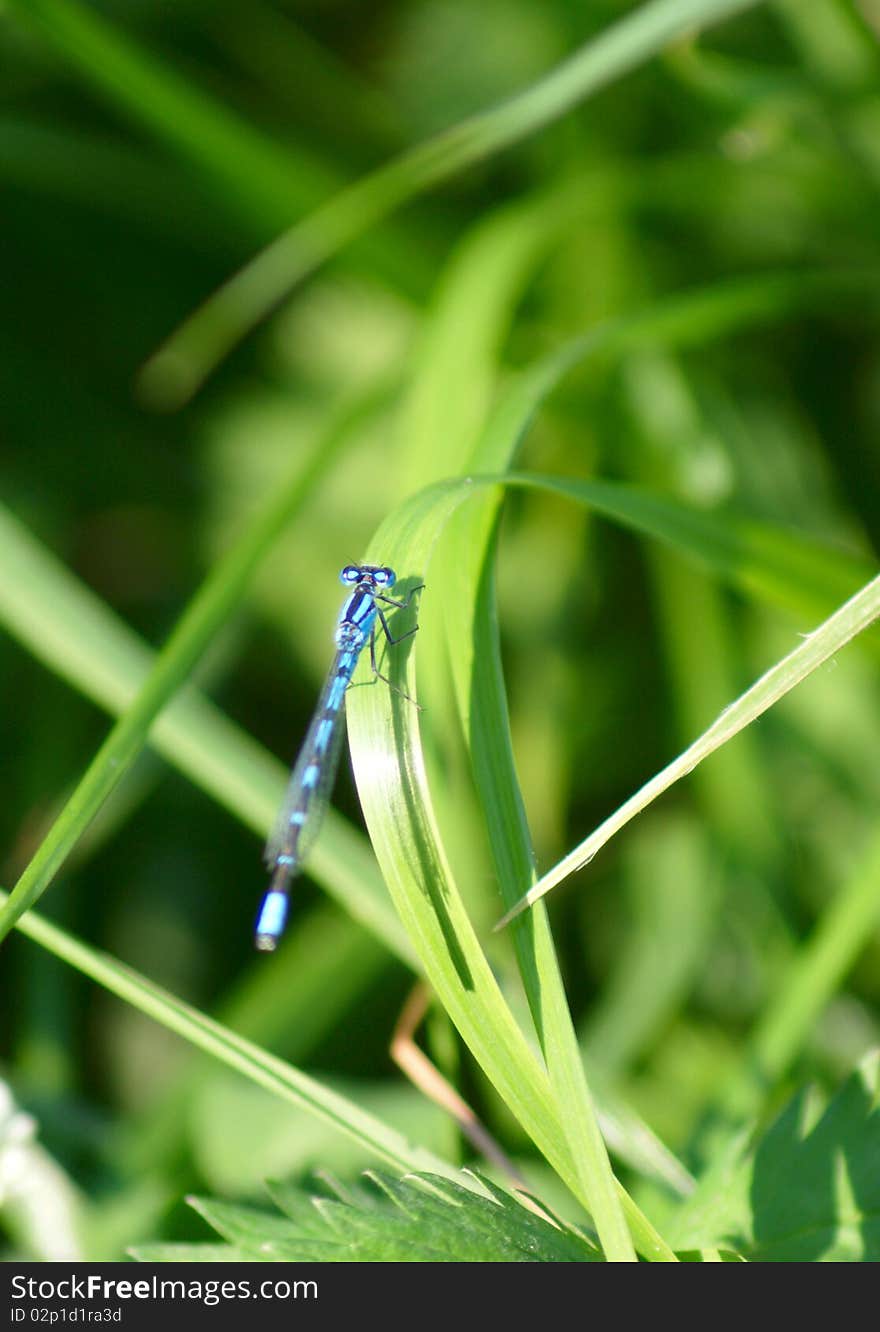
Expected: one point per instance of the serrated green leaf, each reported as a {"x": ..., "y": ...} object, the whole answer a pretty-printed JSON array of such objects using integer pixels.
[
  {"x": 420, "y": 1218},
  {"x": 807, "y": 1191}
]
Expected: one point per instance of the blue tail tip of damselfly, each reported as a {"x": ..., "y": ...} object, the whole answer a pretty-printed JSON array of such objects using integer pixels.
[{"x": 271, "y": 921}]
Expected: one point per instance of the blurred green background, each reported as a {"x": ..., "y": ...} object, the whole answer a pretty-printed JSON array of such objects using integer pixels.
[{"x": 750, "y": 152}]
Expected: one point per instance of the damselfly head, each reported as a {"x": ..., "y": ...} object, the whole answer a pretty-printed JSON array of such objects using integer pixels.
[{"x": 378, "y": 575}]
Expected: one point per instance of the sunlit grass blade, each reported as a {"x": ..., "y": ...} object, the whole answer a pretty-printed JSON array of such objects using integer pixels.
[
  {"x": 466, "y": 586},
  {"x": 692, "y": 317},
  {"x": 175, "y": 372},
  {"x": 398, "y": 809},
  {"x": 235, "y": 1051},
  {"x": 846, "y": 623},
  {"x": 494, "y": 771},
  {"x": 451, "y": 374},
  {"x": 457, "y": 362}
]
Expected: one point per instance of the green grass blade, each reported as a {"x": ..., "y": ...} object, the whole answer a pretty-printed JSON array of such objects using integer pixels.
[
  {"x": 393, "y": 802},
  {"x": 207, "y": 613},
  {"x": 464, "y": 584},
  {"x": 471, "y": 639},
  {"x": 782, "y": 568},
  {"x": 456, "y": 364},
  {"x": 398, "y": 809},
  {"x": 851, "y": 619},
  {"x": 175, "y": 372},
  {"x": 235, "y": 1051},
  {"x": 471, "y": 619}
]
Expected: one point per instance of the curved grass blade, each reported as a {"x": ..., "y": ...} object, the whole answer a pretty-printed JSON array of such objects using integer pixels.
[
  {"x": 397, "y": 806},
  {"x": 472, "y": 645},
  {"x": 466, "y": 589},
  {"x": 495, "y": 776},
  {"x": 781, "y": 567},
  {"x": 181, "y": 365},
  {"x": 398, "y": 809},
  {"x": 691, "y": 318},
  {"x": 449, "y": 375},
  {"x": 399, "y": 816}
]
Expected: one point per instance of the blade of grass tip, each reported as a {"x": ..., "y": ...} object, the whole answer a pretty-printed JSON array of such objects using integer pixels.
[
  {"x": 207, "y": 612},
  {"x": 176, "y": 371},
  {"x": 846, "y": 623},
  {"x": 235, "y": 1051}
]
